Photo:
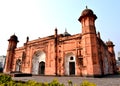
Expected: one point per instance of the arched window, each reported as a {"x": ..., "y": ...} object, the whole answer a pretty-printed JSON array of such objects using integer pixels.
[{"x": 71, "y": 58}]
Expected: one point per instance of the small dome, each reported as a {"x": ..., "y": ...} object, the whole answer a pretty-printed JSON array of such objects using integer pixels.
[
  {"x": 109, "y": 43},
  {"x": 13, "y": 38},
  {"x": 66, "y": 33},
  {"x": 87, "y": 12}
]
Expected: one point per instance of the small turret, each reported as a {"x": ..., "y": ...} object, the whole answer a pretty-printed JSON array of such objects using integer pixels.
[
  {"x": 13, "y": 38},
  {"x": 13, "y": 42},
  {"x": 27, "y": 39},
  {"x": 10, "y": 53},
  {"x": 110, "y": 46},
  {"x": 87, "y": 20},
  {"x": 55, "y": 46},
  {"x": 55, "y": 32}
]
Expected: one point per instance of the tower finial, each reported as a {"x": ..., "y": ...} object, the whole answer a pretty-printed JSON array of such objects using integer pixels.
[{"x": 86, "y": 7}]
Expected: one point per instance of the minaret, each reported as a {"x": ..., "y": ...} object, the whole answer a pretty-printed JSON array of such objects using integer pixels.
[
  {"x": 10, "y": 53},
  {"x": 87, "y": 20},
  {"x": 89, "y": 42},
  {"x": 110, "y": 46}
]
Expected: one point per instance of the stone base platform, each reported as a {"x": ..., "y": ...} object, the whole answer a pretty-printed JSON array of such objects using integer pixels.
[{"x": 20, "y": 74}]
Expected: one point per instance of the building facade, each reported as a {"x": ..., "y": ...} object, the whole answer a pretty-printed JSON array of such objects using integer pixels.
[
  {"x": 118, "y": 62},
  {"x": 82, "y": 54}
]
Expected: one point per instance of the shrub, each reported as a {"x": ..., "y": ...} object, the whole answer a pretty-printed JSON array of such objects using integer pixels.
[
  {"x": 31, "y": 83},
  {"x": 9, "y": 83},
  {"x": 55, "y": 82},
  {"x": 70, "y": 83},
  {"x": 87, "y": 83},
  {"x": 5, "y": 78}
]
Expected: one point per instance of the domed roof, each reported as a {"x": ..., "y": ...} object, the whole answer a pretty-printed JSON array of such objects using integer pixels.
[
  {"x": 66, "y": 33},
  {"x": 87, "y": 12},
  {"x": 13, "y": 38},
  {"x": 109, "y": 43}
]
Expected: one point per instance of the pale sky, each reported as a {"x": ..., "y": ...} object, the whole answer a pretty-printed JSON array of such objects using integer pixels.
[{"x": 39, "y": 18}]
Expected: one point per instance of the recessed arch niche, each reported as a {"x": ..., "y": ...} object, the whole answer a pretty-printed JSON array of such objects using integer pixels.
[
  {"x": 70, "y": 64},
  {"x": 38, "y": 63}
]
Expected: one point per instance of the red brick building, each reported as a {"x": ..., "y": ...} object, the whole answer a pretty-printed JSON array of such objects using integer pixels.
[{"x": 82, "y": 54}]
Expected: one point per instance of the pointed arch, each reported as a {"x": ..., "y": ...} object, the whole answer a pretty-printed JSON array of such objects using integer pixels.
[
  {"x": 38, "y": 63},
  {"x": 70, "y": 64}
]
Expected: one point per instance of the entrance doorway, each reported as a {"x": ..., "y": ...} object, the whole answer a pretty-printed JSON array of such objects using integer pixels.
[
  {"x": 38, "y": 63},
  {"x": 72, "y": 68},
  {"x": 70, "y": 64},
  {"x": 42, "y": 68}
]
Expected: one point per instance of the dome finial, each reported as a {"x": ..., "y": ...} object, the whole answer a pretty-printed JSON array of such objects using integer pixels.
[
  {"x": 86, "y": 7},
  {"x": 65, "y": 29},
  {"x": 66, "y": 33}
]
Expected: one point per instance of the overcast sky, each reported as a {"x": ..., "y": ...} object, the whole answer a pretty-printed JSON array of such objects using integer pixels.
[{"x": 39, "y": 18}]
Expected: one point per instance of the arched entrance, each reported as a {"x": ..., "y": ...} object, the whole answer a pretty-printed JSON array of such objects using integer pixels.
[
  {"x": 72, "y": 68},
  {"x": 42, "y": 67},
  {"x": 18, "y": 65},
  {"x": 38, "y": 63},
  {"x": 69, "y": 64}
]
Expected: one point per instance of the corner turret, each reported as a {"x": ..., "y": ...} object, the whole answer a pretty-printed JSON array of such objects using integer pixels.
[
  {"x": 87, "y": 20},
  {"x": 110, "y": 46},
  {"x": 89, "y": 41},
  {"x": 10, "y": 53},
  {"x": 13, "y": 42}
]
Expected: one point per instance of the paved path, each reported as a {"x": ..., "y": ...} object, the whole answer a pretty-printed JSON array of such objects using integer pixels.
[{"x": 112, "y": 80}]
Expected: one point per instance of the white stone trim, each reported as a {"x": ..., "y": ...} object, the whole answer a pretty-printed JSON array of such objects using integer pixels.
[
  {"x": 37, "y": 58},
  {"x": 67, "y": 60}
]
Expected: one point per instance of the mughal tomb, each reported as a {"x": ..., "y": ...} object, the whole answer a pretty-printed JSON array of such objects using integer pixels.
[{"x": 81, "y": 54}]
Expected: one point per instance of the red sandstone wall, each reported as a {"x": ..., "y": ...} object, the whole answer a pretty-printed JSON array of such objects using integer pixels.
[{"x": 66, "y": 45}]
